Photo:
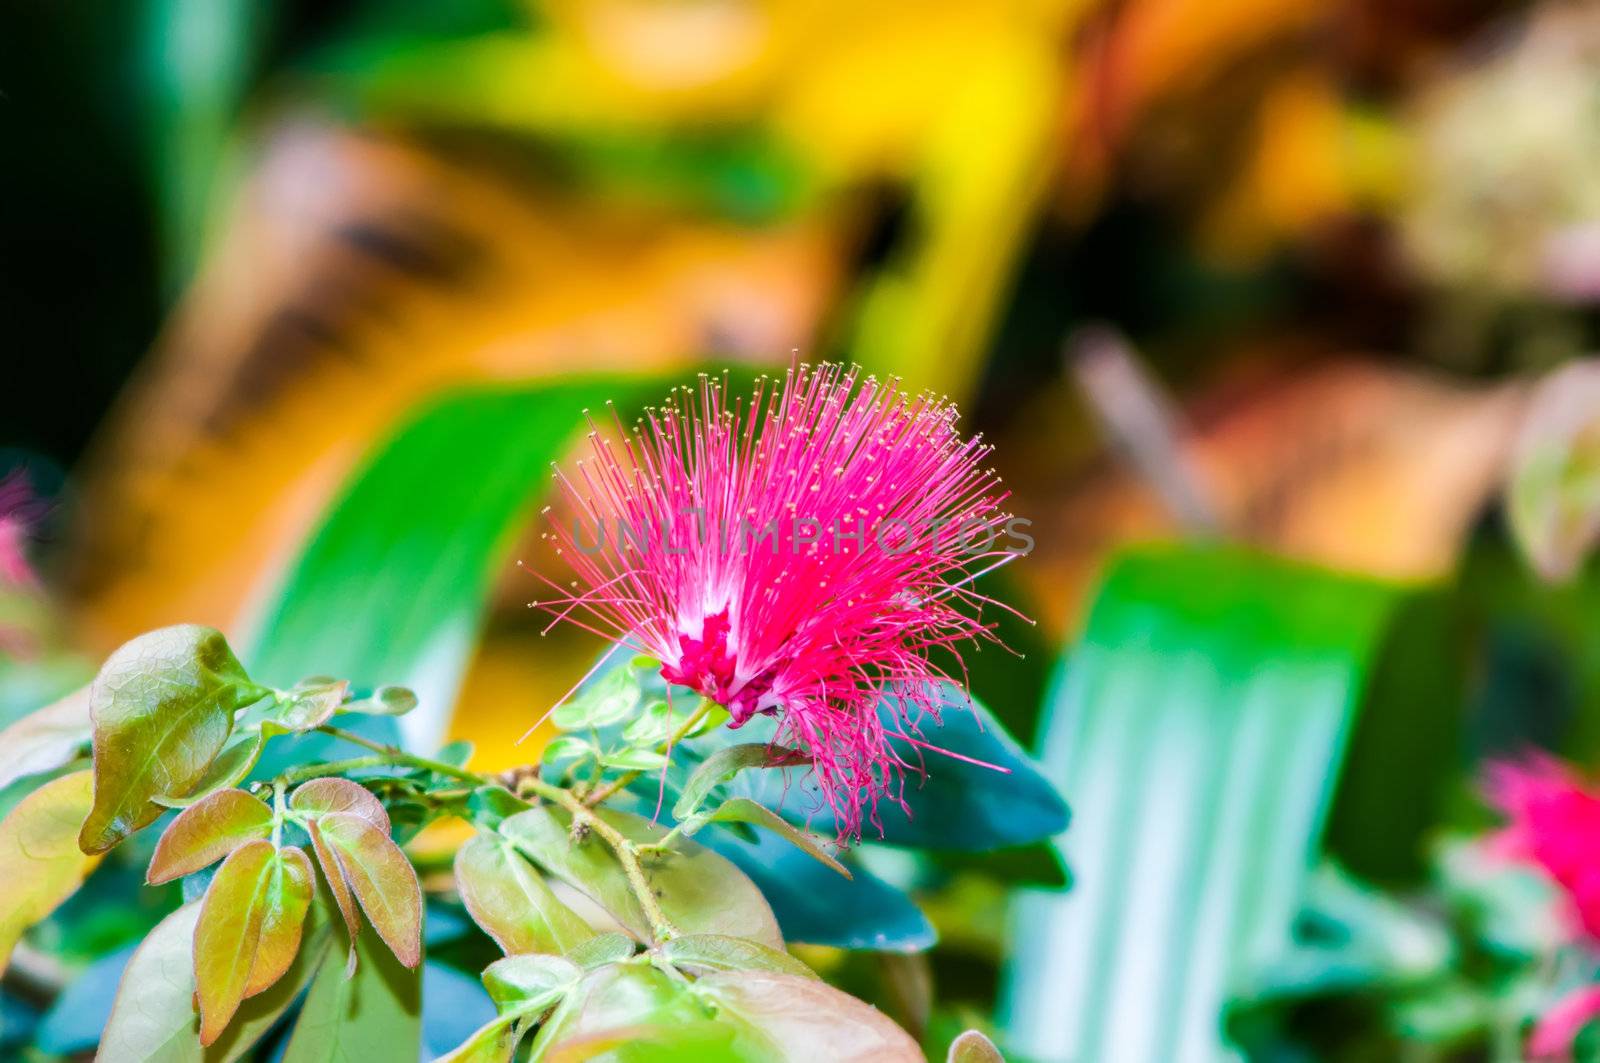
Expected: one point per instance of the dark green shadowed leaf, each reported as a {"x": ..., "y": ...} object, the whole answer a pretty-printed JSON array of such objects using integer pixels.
[
  {"x": 391, "y": 588},
  {"x": 1198, "y": 729},
  {"x": 163, "y": 705}
]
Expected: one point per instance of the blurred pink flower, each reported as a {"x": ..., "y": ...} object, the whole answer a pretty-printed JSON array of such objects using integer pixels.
[
  {"x": 1554, "y": 822},
  {"x": 794, "y": 557},
  {"x": 17, "y": 505},
  {"x": 1557, "y": 1028}
]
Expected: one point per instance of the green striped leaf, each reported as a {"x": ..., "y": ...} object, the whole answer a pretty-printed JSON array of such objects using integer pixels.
[{"x": 1197, "y": 730}]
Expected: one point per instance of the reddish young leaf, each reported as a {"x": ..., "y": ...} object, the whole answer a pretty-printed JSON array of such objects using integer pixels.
[
  {"x": 382, "y": 878},
  {"x": 339, "y": 886},
  {"x": 510, "y": 900},
  {"x": 287, "y": 899},
  {"x": 206, "y": 832},
  {"x": 340, "y": 795},
  {"x": 227, "y": 932}
]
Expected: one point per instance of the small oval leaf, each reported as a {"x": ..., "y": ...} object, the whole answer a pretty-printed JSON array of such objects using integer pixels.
[
  {"x": 973, "y": 1047},
  {"x": 529, "y": 981},
  {"x": 206, "y": 832},
  {"x": 509, "y": 899},
  {"x": 382, "y": 879},
  {"x": 40, "y": 862},
  {"x": 340, "y": 795},
  {"x": 162, "y": 706},
  {"x": 744, "y": 810},
  {"x": 312, "y": 702},
  {"x": 610, "y": 699}
]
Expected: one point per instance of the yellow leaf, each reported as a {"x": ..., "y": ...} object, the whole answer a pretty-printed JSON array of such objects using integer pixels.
[{"x": 39, "y": 856}]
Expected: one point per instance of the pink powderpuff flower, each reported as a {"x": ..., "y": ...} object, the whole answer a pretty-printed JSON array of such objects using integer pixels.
[
  {"x": 18, "y": 511},
  {"x": 799, "y": 556},
  {"x": 1559, "y": 1027},
  {"x": 1553, "y": 822}
]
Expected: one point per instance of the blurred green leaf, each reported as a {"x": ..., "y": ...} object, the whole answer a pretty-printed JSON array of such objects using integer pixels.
[
  {"x": 438, "y": 504},
  {"x": 46, "y": 738},
  {"x": 40, "y": 862},
  {"x": 610, "y": 699},
  {"x": 1198, "y": 728}
]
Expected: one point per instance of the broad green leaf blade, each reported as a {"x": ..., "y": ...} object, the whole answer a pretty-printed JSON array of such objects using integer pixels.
[
  {"x": 375, "y": 1015},
  {"x": 154, "y": 1018},
  {"x": 230, "y": 768},
  {"x": 717, "y": 952},
  {"x": 163, "y": 705},
  {"x": 206, "y": 832},
  {"x": 509, "y": 899},
  {"x": 701, "y": 892},
  {"x": 602, "y": 949},
  {"x": 1198, "y": 730},
  {"x": 45, "y": 739},
  {"x": 381, "y": 878},
  {"x": 438, "y": 505},
  {"x": 225, "y": 936},
  {"x": 802, "y": 1019},
  {"x": 744, "y": 810},
  {"x": 40, "y": 862}
]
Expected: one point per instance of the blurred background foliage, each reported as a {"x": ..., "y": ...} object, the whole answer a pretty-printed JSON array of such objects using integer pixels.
[{"x": 1314, "y": 278}]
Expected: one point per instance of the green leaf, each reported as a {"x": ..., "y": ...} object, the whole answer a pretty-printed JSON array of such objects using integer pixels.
[
  {"x": 652, "y": 726},
  {"x": 206, "y": 832},
  {"x": 701, "y": 892},
  {"x": 602, "y": 949},
  {"x": 45, "y": 739},
  {"x": 493, "y": 1042},
  {"x": 634, "y": 760},
  {"x": 635, "y": 1010},
  {"x": 381, "y": 878},
  {"x": 225, "y": 936},
  {"x": 230, "y": 768},
  {"x": 510, "y": 900},
  {"x": 973, "y": 1047},
  {"x": 375, "y": 1014},
  {"x": 610, "y": 699},
  {"x": 563, "y": 748},
  {"x": 722, "y": 765},
  {"x": 1198, "y": 728},
  {"x": 163, "y": 705},
  {"x": 154, "y": 1016},
  {"x": 529, "y": 982},
  {"x": 718, "y": 952},
  {"x": 792, "y": 1018},
  {"x": 438, "y": 503},
  {"x": 40, "y": 862},
  {"x": 744, "y": 810}
]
